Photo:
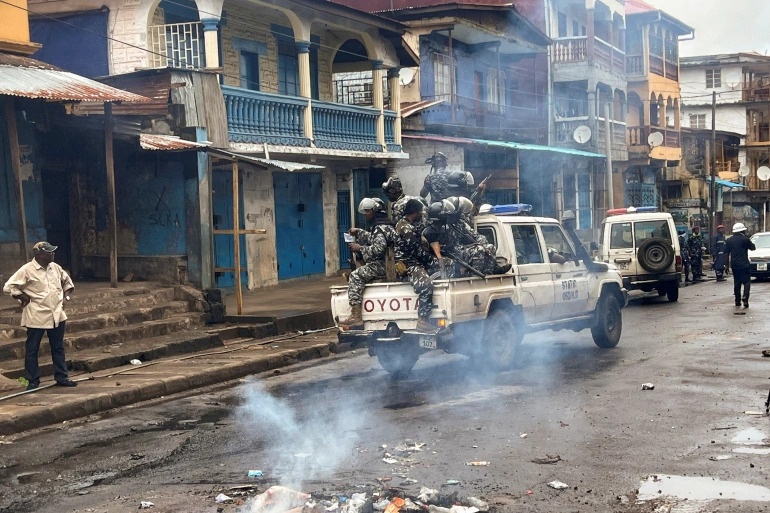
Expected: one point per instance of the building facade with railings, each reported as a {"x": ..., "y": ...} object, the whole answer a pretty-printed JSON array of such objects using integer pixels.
[
  {"x": 741, "y": 82},
  {"x": 308, "y": 147},
  {"x": 654, "y": 103}
]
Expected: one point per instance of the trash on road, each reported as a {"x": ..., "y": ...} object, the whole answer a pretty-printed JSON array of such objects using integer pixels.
[
  {"x": 390, "y": 461},
  {"x": 452, "y": 482},
  {"x": 255, "y": 473},
  {"x": 739, "y": 313},
  {"x": 558, "y": 485},
  {"x": 395, "y": 505},
  {"x": 623, "y": 499},
  {"x": 408, "y": 481},
  {"x": 720, "y": 457},
  {"x": 146, "y": 505},
  {"x": 136, "y": 362},
  {"x": 477, "y": 463},
  {"x": 766, "y": 352},
  {"x": 648, "y": 386},
  {"x": 278, "y": 498},
  {"x": 427, "y": 495},
  {"x": 477, "y": 503},
  {"x": 549, "y": 459},
  {"x": 523, "y": 435},
  {"x": 381, "y": 505},
  {"x": 222, "y": 498},
  {"x": 754, "y": 412}
]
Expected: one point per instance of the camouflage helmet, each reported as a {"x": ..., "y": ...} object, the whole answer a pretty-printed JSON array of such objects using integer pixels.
[
  {"x": 440, "y": 210},
  {"x": 370, "y": 204},
  {"x": 436, "y": 157},
  {"x": 393, "y": 183},
  {"x": 461, "y": 204}
]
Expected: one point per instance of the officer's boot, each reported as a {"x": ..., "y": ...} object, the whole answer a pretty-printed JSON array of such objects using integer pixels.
[
  {"x": 355, "y": 321},
  {"x": 424, "y": 325},
  {"x": 502, "y": 269}
]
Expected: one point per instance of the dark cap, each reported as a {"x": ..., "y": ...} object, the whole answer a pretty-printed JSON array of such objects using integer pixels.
[
  {"x": 412, "y": 206},
  {"x": 43, "y": 246}
]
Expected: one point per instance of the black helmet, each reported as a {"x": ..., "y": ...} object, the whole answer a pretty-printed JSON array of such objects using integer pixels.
[
  {"x": 392, "y": 184},
  {"x": 457, "y": 180},
  {"x": 439, "y": 210}
]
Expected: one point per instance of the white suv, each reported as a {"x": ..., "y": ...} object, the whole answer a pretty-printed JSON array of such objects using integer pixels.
[{"x": 645, "y": 248}]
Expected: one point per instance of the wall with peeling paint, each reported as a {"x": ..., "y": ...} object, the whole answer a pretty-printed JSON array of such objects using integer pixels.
[{"x": 259, "y": 213}]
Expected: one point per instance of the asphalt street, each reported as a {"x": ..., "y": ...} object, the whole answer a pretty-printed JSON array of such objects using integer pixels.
[{"x": 321, "y": 427}]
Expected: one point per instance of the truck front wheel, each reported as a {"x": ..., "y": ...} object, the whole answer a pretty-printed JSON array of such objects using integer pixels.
[
  {"x": 609, "y": 322},
  {"x": 501, "y": 340},
  {"x": 397, "y": 358}
]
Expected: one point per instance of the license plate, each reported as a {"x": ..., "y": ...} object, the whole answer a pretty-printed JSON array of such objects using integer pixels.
[
  {"x": 428, "y": 342},
  {"x": 622, "y": 265},
  {"x": 762, "y": 267}
]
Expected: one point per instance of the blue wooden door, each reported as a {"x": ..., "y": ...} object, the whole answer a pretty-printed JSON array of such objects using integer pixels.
[
  {"x": 222, "y": 203},
  {"x": 299, "y": 224},
  {"x": 343, "y": 225}
]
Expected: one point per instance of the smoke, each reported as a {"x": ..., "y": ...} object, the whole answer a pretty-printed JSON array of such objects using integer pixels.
[{"x": 302, "y": 443}]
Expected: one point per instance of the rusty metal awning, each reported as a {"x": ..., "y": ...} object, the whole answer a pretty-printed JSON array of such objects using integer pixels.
[
  {"x": 411, "y": 108},
  {"x": 30, "y": 78},
  {"x": 281, "y": 165},
  {"x": 155, "y": 142}
]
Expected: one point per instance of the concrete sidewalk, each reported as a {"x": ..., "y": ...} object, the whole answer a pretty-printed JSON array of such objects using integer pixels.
[{"x": 263, "y": 338}]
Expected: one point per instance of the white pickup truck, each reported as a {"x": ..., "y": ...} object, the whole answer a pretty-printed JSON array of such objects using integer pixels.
[{"x": 486, "y": 318}]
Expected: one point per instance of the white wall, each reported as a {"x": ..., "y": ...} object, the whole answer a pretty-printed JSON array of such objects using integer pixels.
[
  {"x": 693, "y": 83},
  {"x": 730, "y": 118}
]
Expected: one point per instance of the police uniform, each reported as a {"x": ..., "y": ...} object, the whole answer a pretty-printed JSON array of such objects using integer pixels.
[
  {"x": 695, "y": 245},
  {"x": 437, "y": 184},
  {"x": 473, "y": 247},
  {"x": 685, "y": 257},
  {"x": 412, "y": 260},
  {"x": 374, "y": 245},
  {"x": 718, "y": 248}
]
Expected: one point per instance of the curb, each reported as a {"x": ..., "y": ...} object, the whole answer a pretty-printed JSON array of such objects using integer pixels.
[{"x": 158, "y": 387}]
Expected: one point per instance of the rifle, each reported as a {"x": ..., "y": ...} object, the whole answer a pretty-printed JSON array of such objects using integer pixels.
[
  {"x": 465, "y": 264},
  {"x": 477, "y": 193}
]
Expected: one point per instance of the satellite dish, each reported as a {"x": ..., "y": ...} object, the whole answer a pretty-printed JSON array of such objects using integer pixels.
[
  {"x": 655, "y": 139},
  {"x": 582, "y": 134},
  {"x": 763, "y": 173},
  {"x": 406, "y": 76},
  {"x": 744, "y": 170}
]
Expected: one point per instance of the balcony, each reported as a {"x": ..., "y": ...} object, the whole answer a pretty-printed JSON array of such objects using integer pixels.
[
  {"x": 756, "y": 90},
  {"x": 638, "y": 135},
  {"x": 257, "y": 117},
  {"x": 178, "y": 45},
  {"x": 634, "y": 65},
  {"x": 575, "y": 49},
  {"x": 570, "y": 49}
]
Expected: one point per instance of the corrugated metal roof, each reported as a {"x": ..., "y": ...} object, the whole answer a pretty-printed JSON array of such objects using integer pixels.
[
  {"x": 156, "y": 142},
  {"x": 506, "y": 144},
  {"x": 411, "y": 108},
  {"x": 726, "y": 183},
  {"x": 30, "y": 78},
  {"x": 283, "y": 165}
]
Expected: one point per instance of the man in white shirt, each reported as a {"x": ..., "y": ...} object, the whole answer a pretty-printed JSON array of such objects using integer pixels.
[{"x": 41, "y": 287}]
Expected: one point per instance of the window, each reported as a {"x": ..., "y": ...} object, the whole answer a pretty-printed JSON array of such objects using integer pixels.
[
  {"x": 555, "y": 239},
  {"x": 495, "y": 88},
  {"x": 584, "y": 202},
  {"x": 575, "y": 29},
  {"x": 620, "y": 236},
  {"x": 288, "y": 73},
  {"x": 562, "y": 25},
  {"x": 442, "y": 76},
  {"x": 489, "y": 233},
  {"x": 644, "y": 230},
  {"x": 527, "y": 245},
  {"x": 697, "y": 121},
  {"x": 250, "y": 71},
  {"x": 713, "y": 78}
]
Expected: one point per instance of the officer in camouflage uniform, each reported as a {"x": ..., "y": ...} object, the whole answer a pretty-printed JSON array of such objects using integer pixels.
[
  {"x": 695, "y": 245},
  {"x": 412, "y": 261},
  {"x": 372, "y": 245},
  {"x": 473, "y": 247},
  {"x": 685, "y": 256},
  {"x": 398, "y": 200},
  {"x": 439, "y": 237},
  {"x": 437, "y": 182}
]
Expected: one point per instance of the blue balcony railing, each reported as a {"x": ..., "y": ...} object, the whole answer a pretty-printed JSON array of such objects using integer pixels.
[
  {"x": 390, "y": 131},
  {"x": 254, "y": 116},
  {"x": 345, "y": 127}
]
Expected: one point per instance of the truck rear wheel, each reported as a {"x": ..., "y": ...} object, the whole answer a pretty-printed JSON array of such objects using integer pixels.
[
  {"x": 397, "y": 358},
  {"x": 673, "y": 291},
  {"x": 609, "y": 322},
  {"x": 501, "y": 340}
]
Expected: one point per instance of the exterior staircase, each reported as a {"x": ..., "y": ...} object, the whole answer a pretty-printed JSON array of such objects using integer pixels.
[{"x": 108, "y": 328}]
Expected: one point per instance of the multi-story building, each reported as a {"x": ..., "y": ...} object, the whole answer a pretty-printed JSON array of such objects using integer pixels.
[
  {"x": 653, "y": 119},
  {"x": 741, "y": 82},
  {"x": 281, "y": 95}
]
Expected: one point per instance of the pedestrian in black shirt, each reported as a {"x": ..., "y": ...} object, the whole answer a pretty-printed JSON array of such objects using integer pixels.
[{"x": 737, "y": 250}]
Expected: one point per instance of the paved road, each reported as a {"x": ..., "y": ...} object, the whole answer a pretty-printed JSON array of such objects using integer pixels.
[{"x": 321, "y": 426}]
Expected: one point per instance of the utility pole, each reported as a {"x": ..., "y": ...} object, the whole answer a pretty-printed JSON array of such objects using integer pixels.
[
  {"x": 608, "y": 150},
  {"x": 713, "y": 184}
]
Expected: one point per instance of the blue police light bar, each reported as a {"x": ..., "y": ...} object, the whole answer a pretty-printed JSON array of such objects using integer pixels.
[
  {"x": 632, "y": 210},
  {"x": 516, "y": 208}
]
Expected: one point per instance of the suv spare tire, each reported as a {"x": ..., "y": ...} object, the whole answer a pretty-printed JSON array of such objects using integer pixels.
[{"x": 655, "y": 255}]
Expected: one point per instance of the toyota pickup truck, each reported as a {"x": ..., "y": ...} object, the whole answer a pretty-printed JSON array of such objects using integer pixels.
[{"x": 486, "y": 318}]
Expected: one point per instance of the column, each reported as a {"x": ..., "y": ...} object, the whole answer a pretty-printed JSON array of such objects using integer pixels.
[
  {"x": 305, "y": 91},
  {"x": 662, "y": 114},
  {"x": 211, "y": 42},
  {"x": 395, "y": 101},
  {"x": 378, "y": 100},
  {"x": 590, "y": 34}
]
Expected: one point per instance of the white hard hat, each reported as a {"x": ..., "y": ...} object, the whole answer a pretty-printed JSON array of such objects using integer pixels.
[
  {"x": 739, "y": 227},
  {"x": 367, "y": 204},
  {"x": 469, "y": 179}
]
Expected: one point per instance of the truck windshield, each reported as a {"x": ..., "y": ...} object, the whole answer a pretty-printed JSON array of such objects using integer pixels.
[{"x": 644, "y": 230}]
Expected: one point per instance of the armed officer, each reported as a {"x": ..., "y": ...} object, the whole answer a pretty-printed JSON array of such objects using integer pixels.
[
  {"x": 398, "y": 200},
  {"x": 695, "y": 245},
  {"x": 437, "y": 182},
  {"x": 372, "y": 245},
  {"x": 473, "y": 247},
  {"x": 414, "y": 262},
  {"x": 718, "y": 253}
]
